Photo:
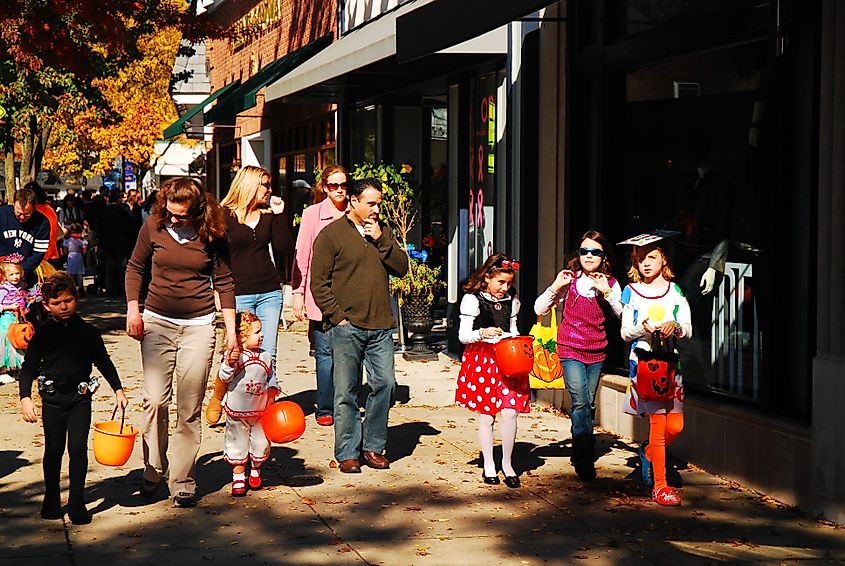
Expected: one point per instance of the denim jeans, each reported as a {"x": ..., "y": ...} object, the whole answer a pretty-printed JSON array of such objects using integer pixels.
[
  {"x": 323, "y": 362},
  {"x": 582, "y": 382},
  {"x": 268, "y": 308},
  {"x": 351, "y": 346}
]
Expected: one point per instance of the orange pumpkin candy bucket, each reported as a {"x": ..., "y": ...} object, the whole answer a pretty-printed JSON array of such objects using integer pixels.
[
  {"x": 515, "y": 355},
  {"x": 114, "y": 441}
]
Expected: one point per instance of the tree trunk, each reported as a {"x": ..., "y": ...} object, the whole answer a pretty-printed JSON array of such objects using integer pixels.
[
  {"x": 28, "y": 152},
  {"x": 9, "y": 166}
]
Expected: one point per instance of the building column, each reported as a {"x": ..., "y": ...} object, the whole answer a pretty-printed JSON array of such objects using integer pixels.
[{"x": 827, "y": 474}]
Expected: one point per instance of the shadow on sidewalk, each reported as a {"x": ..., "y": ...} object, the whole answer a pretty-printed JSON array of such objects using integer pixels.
[{"x": 404, "y": 438}]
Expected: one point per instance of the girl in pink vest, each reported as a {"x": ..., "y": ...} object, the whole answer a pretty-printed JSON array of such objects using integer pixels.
[{"x": 584, "y": 288}]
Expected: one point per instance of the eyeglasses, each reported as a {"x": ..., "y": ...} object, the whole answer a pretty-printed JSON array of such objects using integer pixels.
[
  {"x": 510, "y": 264},
  {"x": 590, "y": 251},
  {"x": 336, "y": 186}
]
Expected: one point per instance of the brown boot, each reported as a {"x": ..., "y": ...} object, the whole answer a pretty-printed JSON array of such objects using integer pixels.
[{"x": 215, "y": 405}]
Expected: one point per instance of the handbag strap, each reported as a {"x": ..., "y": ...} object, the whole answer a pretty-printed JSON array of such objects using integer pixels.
[{"x": 554, "y": 317}]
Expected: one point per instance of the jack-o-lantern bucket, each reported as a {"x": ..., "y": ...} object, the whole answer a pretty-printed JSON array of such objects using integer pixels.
[
  {"x": 20, "y": 332},
  {"x": 656, "y": 370},
  {"x": 515, "y": 355}
]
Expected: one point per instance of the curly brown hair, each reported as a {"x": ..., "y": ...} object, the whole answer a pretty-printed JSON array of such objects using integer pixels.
[
  {"x": 493, "y": 266},
  {"x": 606, "y": 266},
  {"x": 205, "y": 212},
  {"x": 56, "y": 284},
  {"x": 320, "y": 192}
]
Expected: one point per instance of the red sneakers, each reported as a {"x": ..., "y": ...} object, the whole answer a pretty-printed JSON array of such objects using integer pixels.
[{"x": 666, "y": 496}]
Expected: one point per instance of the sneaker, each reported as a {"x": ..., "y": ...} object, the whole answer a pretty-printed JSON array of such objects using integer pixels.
[
  {"x": 666, "y": 496},
  {"x": 6, "y": 378},
  {"x": 325, "y": 420},
  {"x": 185, "y": 500},
  {"x": 238, "y": 488},
  {"x": 645, "y": 466}
]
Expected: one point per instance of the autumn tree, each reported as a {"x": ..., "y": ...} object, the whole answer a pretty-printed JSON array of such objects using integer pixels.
[
  {"x": 88, "y": 141},
  {"x": 56, "y": 58}
]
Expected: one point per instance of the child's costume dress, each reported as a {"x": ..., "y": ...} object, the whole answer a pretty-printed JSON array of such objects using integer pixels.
[
  {"x": 10, "y": 357},
  {"x": 657, "y": 306},
  {"x": 75, "y": 260},
  {"x": 244, "y": 402},
  {"x": 481, "y": 387}
]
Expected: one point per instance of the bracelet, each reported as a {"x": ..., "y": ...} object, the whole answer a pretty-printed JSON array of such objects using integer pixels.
[{"x": 607, "y": 293}]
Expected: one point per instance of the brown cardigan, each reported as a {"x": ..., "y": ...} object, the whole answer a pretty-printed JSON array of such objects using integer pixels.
[
  {"x": 349, "y": 275},
  {"x": 182, "y": 274}
]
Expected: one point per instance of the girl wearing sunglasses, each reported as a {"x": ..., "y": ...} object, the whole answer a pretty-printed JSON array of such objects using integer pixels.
[{"x": 583, "y": 287}]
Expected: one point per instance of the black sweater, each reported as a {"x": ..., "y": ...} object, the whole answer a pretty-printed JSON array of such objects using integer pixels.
[
  {"x": 252, "y": 268},
  {"x": 64, "y": 353}
]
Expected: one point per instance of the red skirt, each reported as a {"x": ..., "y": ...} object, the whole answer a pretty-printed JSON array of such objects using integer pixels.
[{"x": 483, "y": 389}]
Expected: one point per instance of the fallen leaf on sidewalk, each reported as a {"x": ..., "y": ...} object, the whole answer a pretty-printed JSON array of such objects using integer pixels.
[
  {"x": 309, "y": 501},
  {"x": 413, "y": 508}
]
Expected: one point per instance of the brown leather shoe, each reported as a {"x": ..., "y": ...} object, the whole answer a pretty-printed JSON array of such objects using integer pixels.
[
  {"x": 350, "y": 466},
  {"x": 376, "y": 461}
]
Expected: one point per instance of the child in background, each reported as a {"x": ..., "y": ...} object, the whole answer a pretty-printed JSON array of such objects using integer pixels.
[
  {"x": 652, "y": 303},
  {"x": 252, "y": 387},
  {"x": 14, "y": 303},
  {"x": 60, "y": 356},
  {"x": 488, "y": 314},
  {"x": 76, "y": 247},
  {"x": 581, "y": 288}
]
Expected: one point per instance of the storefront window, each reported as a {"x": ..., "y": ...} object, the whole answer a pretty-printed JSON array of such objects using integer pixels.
[
  {"x": 482, "y": 169},
  {"x": 716, "y": 145}
]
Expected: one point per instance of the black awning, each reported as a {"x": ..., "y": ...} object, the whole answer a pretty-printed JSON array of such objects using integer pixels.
[{"x": 444, "y": 23}]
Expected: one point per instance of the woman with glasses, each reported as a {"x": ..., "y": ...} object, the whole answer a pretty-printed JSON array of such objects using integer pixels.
[
  {"x": 581, "y": 288},
  {"x": 255, "y": 220},
  {"x": 183, "y": 244},
  {"x": 330, "y": 203}
]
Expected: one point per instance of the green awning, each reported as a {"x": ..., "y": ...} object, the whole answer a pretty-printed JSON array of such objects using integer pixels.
[
  {"x": 178, "y": 126},
  {"x": 244, "y": 97}
]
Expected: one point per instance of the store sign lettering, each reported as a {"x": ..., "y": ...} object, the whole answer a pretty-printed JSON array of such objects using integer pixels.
[{"x": 255, "y": 22}]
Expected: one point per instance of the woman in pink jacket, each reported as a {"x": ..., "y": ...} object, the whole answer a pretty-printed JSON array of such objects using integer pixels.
[{"x": 329, "y": 204}]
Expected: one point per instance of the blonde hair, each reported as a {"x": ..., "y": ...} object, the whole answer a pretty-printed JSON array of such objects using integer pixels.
[
  {"x": 244, "y": 187},
  {"x": 243, "y": 323},
  {"x": 637, "y": 255}
]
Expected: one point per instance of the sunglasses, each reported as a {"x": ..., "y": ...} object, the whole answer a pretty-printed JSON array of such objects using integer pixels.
[
  {"x": 590, "y": 251},
  {"x": 336, "y": 186},
  {"x": 179, "y": 217},
  {"x": 510, "y": 264},
  {"x": 268, "y": 184}
]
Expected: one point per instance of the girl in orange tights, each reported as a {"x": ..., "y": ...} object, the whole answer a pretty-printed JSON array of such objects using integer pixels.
[{"x": 652, "y": 304}]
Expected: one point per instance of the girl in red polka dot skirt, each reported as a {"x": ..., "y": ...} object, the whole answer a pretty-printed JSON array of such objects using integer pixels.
[{"x": 488, "y": 314}]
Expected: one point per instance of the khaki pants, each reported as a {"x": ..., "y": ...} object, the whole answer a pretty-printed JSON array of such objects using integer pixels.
[{"x": 183, "y": 354}]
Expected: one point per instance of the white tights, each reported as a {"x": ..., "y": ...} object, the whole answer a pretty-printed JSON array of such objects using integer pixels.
[{"x": 485, "y": 439}]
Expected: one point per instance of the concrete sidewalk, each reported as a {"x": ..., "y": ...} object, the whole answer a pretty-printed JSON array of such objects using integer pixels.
[{"x": 430, "y": 507}]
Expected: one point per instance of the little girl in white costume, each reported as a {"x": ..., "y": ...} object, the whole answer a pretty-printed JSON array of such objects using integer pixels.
[{"x": 251, "y": 387}]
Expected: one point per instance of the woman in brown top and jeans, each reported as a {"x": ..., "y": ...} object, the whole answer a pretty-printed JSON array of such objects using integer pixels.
[{"x": 184, "y": 243}]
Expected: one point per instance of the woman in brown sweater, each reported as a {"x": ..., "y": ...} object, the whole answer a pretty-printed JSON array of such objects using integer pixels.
[{"x": 184, "y": 243}]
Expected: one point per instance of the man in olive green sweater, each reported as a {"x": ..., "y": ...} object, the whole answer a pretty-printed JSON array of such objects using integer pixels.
[{"x": 351, "y": 261}]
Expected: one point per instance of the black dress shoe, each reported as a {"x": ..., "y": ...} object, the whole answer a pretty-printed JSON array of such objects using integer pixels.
[
  {"x": 52, "y": 510},
  {"x": 512, "y": 482},
  {"x": 78, "y": 514},
  {"x": 185, "y": 500},
  {"x": 490, "y": 480}
]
